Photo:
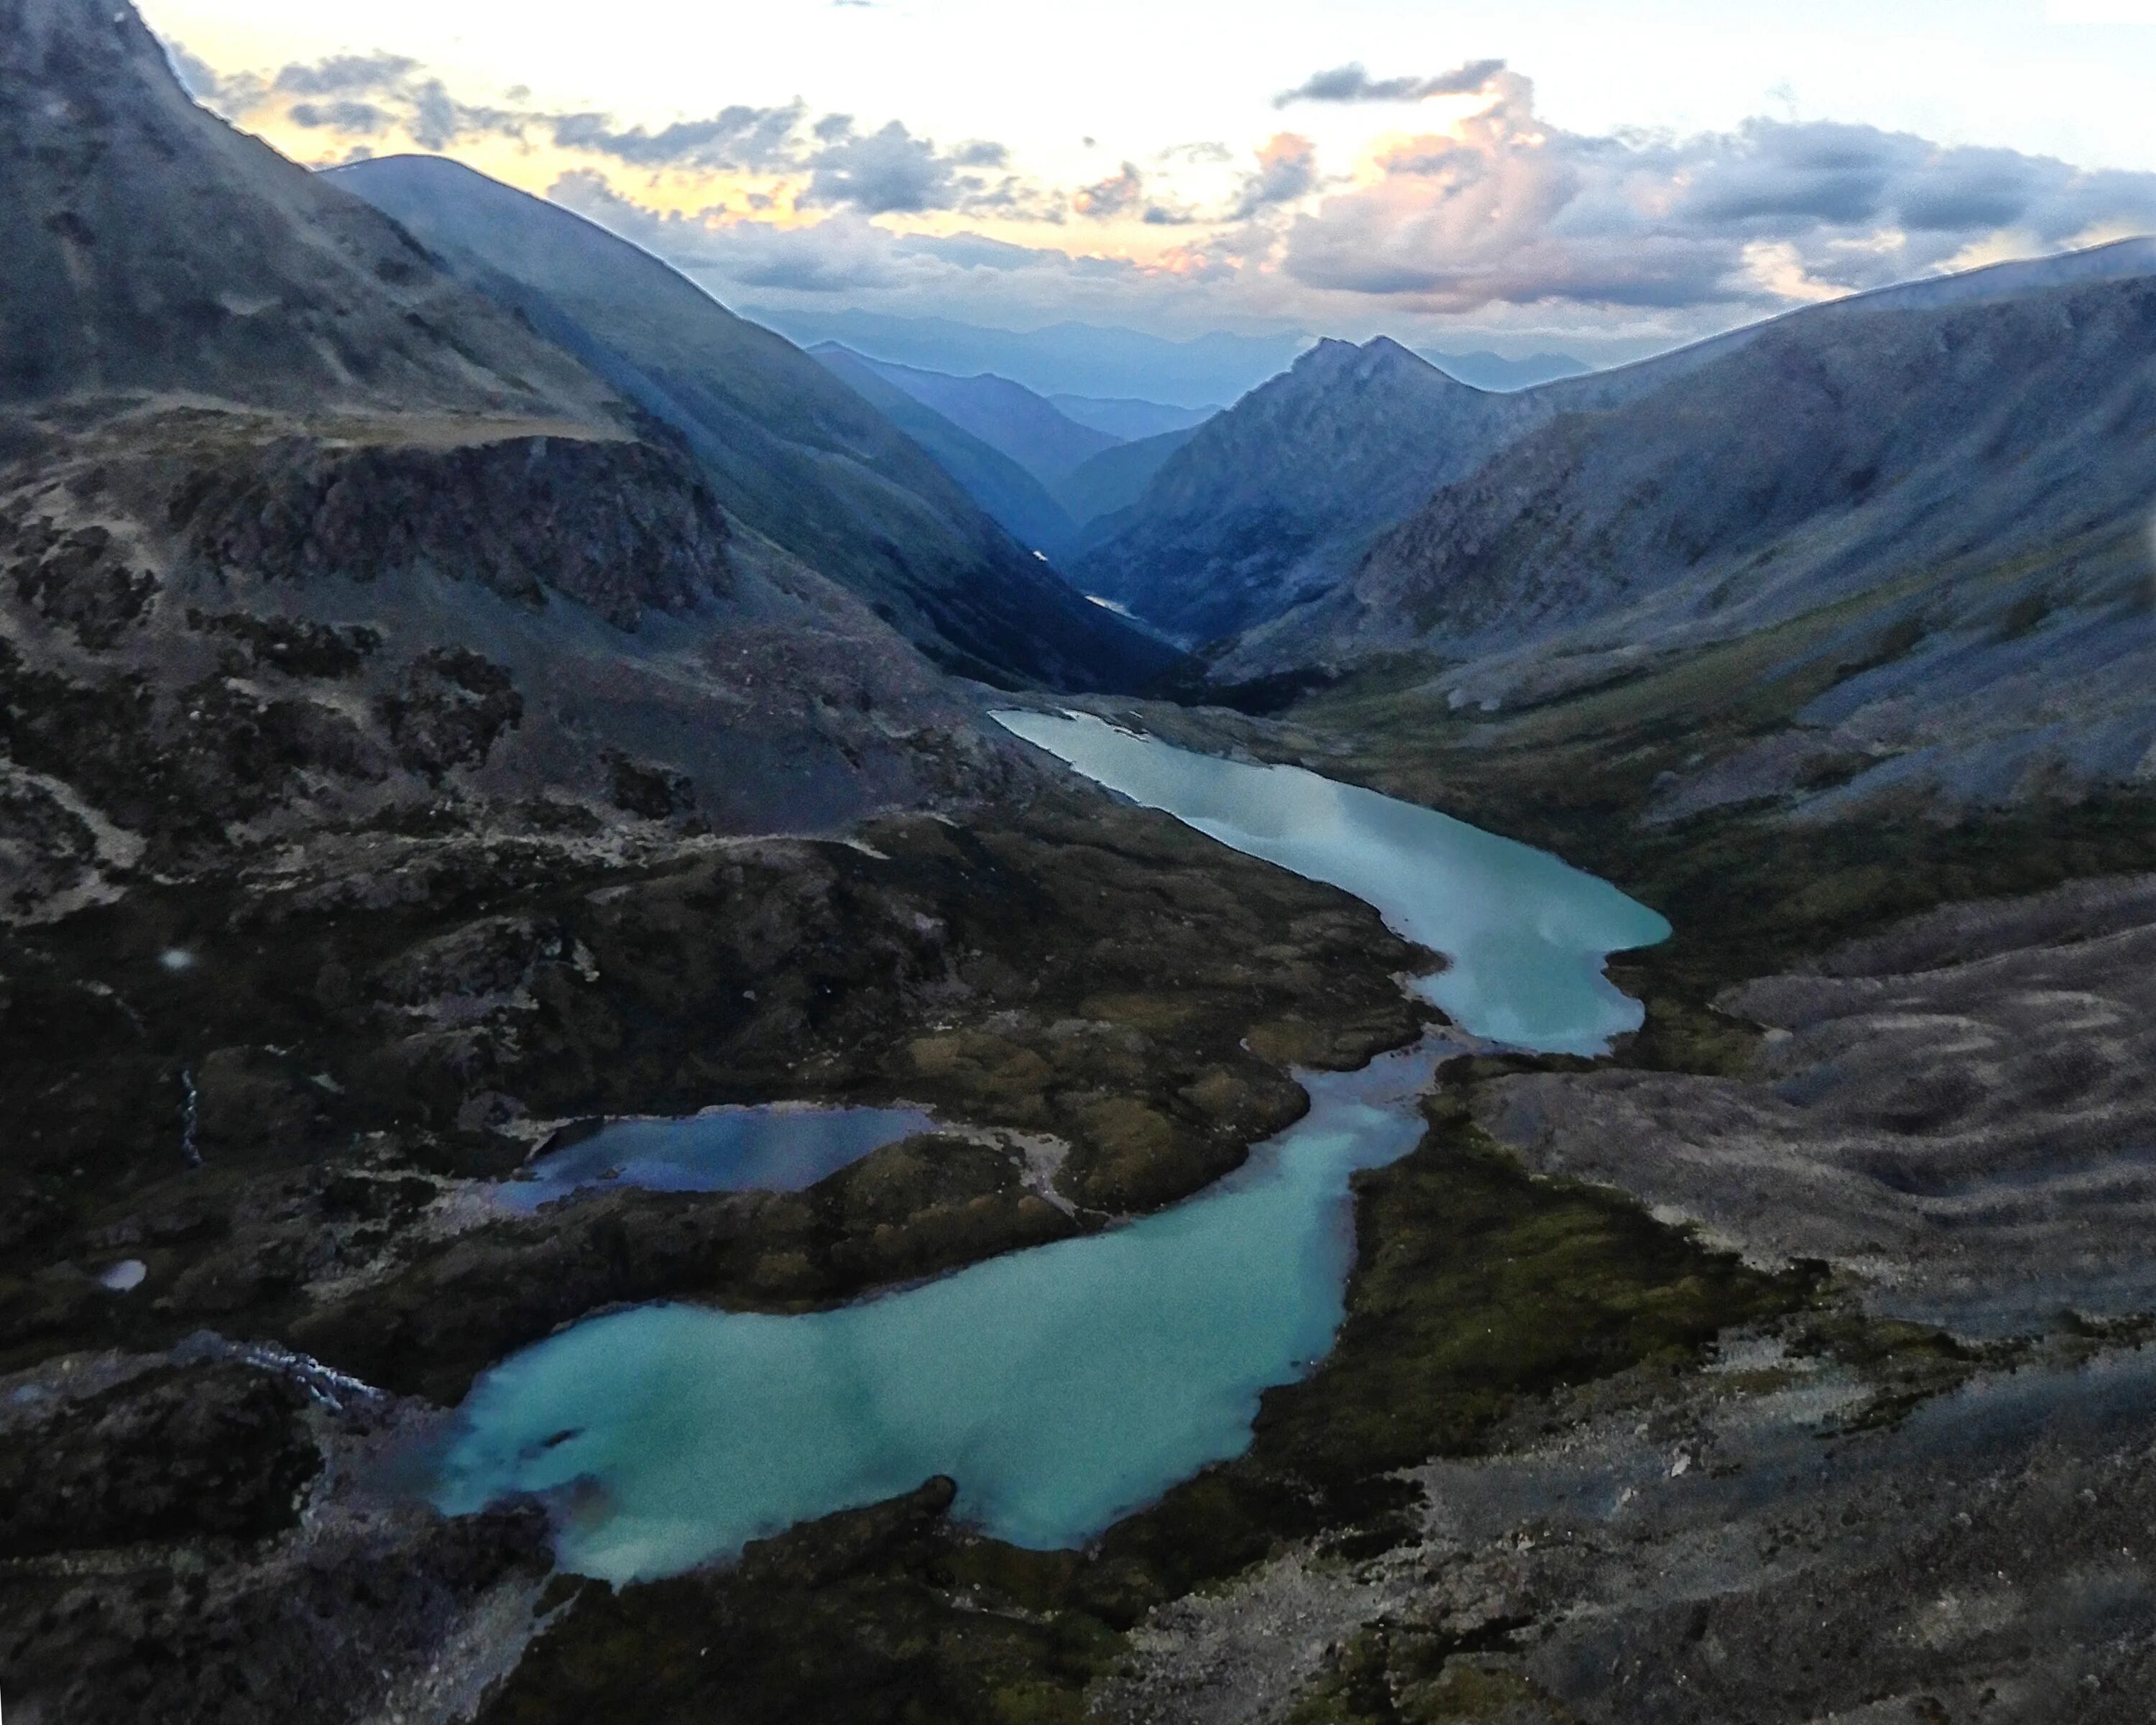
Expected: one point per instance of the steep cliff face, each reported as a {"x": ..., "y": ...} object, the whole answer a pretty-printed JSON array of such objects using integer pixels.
[
  {"x": 224, "y": 634},
  {"x": 615, "y": 526}
]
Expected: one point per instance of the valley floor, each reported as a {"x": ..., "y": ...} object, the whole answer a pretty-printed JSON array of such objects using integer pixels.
[{"x": 1859, "y": 1434}]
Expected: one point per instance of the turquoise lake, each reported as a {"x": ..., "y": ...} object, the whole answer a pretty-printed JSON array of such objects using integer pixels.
[
  {"x": 1524, "y": 933},
  {"x": 1064, "y": 1386},
  {"x": 773, "y": 1146}
]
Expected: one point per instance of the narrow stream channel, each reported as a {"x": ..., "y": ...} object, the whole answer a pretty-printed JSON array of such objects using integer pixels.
[{"x": 1064, "y": 1386}]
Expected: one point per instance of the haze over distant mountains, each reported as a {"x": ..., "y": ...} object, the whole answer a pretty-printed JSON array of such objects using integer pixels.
[
  {"x": 1047, "y": 476},
  {"x": 1102, "y": 366},
  {"x": 1126, "y": 418},
  {"x": 1063, "y": 359},
  {"x": 1025, "y": 426}
]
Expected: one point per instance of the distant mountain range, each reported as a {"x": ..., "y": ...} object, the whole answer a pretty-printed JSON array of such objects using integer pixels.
[
  {"x": 1091, "y": 361},
  {"x": 1128, "y": 418},
  {"x": 1122, "y": 381},
  {"x": 1494, "y": 371},
  {"x": 1824, "y": 452},
  {"x": 1096, "y": 493},
  {"x": 1890, "y": 550},
  {"x": 1011, "y": 496},
  {"x": 1046, "y": 476},
  {"x": 1271, "y": 503},
  {"x": 1027, "y": 428}
]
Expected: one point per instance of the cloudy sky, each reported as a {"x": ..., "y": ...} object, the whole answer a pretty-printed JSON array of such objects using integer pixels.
[{"x": 1599, "y": 175}]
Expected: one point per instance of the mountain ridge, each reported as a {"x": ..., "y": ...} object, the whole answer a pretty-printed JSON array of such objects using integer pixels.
[
  {"x": 788, "y": 447},
  {"x": 1019, "y": 423},
  {"x": 1012, "y": 497},
  {"x": 1205, "y": 551},
  {"x": 1270, "y": 502},
  {"x": 225, "y": 279}
]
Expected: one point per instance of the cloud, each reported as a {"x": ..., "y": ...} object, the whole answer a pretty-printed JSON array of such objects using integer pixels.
[
  {"x": 1492, "y": 213},
  {"x": 836, "y": 256},
  {"x": 892, "y": 171},
  {"x": 1351, "y": 83},
  {"x": 358, "y": 119},
  {"x": 1118, "y": 195},
  {"x": 1287, "y": 170},
  {"x": 847, "y": 258},
  {"x": 736, "y": 138},
  {"x": 974, "y": 251},
  {"x": 1204, "y": 153},
  {"x": 374, "y": 97},
  {"x": 1505, "y": 209},
  {"x": 346, "y": 74}
]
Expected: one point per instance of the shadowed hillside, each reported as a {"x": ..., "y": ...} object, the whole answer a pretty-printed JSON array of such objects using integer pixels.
[
  {"x": 785, "y": 445},
  {"x": 1013, "y": 498}
]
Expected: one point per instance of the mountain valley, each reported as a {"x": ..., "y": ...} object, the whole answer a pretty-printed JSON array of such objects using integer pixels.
[{"x": 461, "y": 684}]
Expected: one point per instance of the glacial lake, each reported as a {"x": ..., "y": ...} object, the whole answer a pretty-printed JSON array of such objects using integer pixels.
[
  {"x": 1064, "y": 1386},
  {"x": 771, "y": 1146},
  {"x": 1524, "y": 933}
]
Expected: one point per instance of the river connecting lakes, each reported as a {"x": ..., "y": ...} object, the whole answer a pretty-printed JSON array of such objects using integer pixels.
[{"x": 1064, "y": 1386}]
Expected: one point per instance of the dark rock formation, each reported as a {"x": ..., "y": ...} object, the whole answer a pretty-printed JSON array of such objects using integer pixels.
[
  {"x": 613, "y": 525},
  {"x": 217, "y": 1450}
]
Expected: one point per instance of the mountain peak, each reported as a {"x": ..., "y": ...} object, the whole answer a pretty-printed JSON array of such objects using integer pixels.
[
  {"x": 1384, "y": 347},
  {"x": 168, "y": 252},
  {"x": 1330, "y": 359}
]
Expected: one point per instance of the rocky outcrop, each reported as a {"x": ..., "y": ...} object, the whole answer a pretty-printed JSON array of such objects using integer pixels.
[
  {"x": 221, "y": 1450},
  {"x": 158, "y": 1570},
  {"x": 1957, "y": 1114},
  {"x": 615, "y": 526}
]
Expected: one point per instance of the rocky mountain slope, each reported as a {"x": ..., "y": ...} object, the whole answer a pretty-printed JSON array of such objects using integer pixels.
[
  {"x": 1097, "y": 491},
  {"x": 340, "y": 540},
  {"x": 152, "y": 250},
  {"x": 1011, "y": 497},
  {"x": 1286, "y": 492},
  {"x": 1273, "y": 501},
  {"x": 1933, "y": 516},
  {"x": 785, "y": 447}
]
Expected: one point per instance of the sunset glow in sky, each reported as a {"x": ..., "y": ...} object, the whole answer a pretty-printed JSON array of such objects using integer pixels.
[{"x": 1603, "y": 177}]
